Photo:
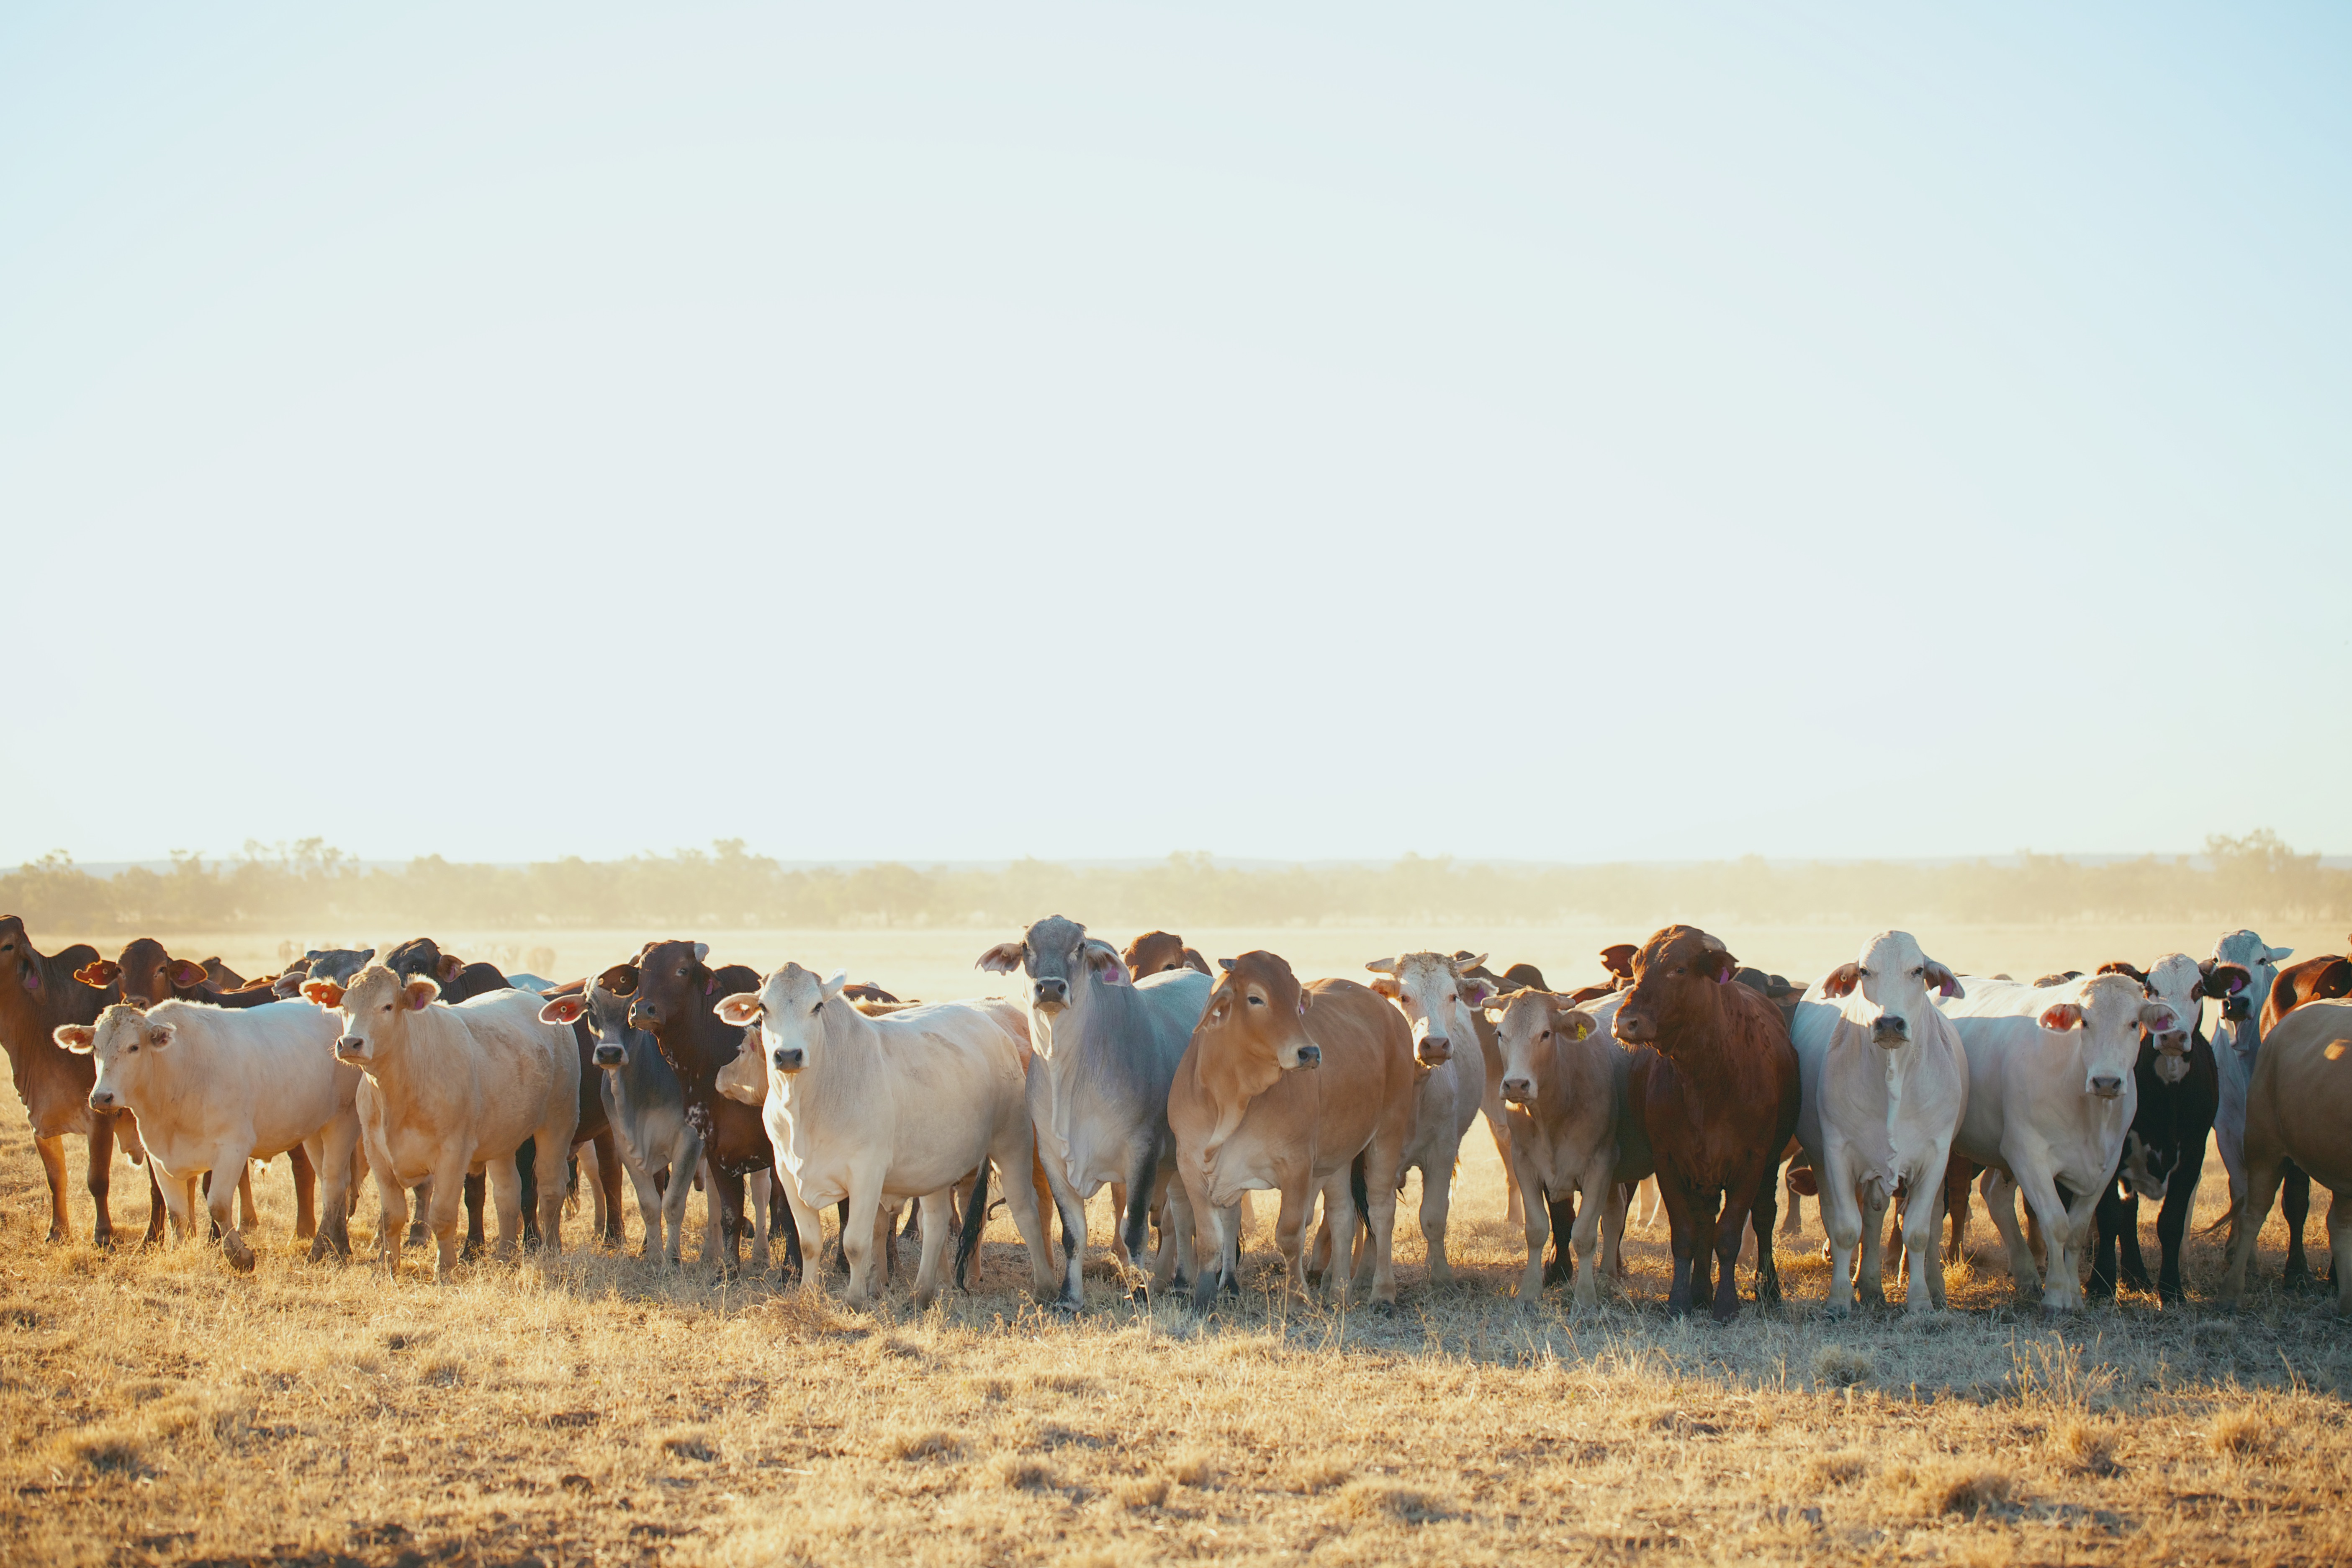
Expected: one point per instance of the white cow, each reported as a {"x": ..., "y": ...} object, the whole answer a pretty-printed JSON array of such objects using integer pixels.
[
  {"x": 1441, "y": 1004},
  {"x": 1885, "y": 1086},
  {"x": 2239, "y": 976},
  {"x": 214, "y": 1086},
  {"x": 901, "y": 1106},
  {"x": 450, "y": 1090},
  {"x": 2051, "y": 1095},
  {"x": 1573, "y": 1128}
]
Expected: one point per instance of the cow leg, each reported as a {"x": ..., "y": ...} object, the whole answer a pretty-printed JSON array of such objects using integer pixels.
[
  {"x": 420, "y": 1229},
  {"x": 2061, "y": 1291},
  {"x": 1680, "y": 1231},
  {"x": 1499, "y": 1124},
  {"x": 1958, "y": 1174},
  {"x": 99, "y": 1176},
  {"x": 248, "y": 1219},
  {"x": 2117, "y": 1213},
  {"x": 1436, "y": 1206},
  {"x": 1137, "y": 1199},
  {"x": 549, "y": 1159},
  {"x": 1923, "y": 1210},
  {"x": 1715, "y": 1254},
  {"x": 607, "y": 1149},
  {"x": 1870, "y": 1274},
  {"x": 1842, "y": 1218},
  {"x": 1536, "y": 1219},
  {"x": 1561, "y": 1211},
  {"x": 526, "y": 1164},
  {"x": 857, "y": 1234},
  {"x": 179, "y": 1201},
  {"x": 651, "y": 1189},
  {"x": 1290, "y": 1227},
  {"x": 1763, "y": 1207},
  {"x": 330, "y": 1153},
  {"x": 443, "y": 1216},
  {"x": 224, "y": 1204},
  {"x": 505, "y": 1180},
  {"x": 2339, "y": 1250},
  {"x": 2172, "y": 1220},
  {"x": 808, "y": 1223},
  {"x": 2263, "y": 1172},
  {"x": 760, "y": 1190},
  {"x": 2294, "y": 1205},
  {"x": 53, "y": 1166},
  {"x": 306, "y": 1190},
  {"x": 1599, "y": 1209},
  {"x": 1999, "y": 1195},
  {"x": 729, "y": 1191},
  {"x": 474, "y": 1238},
  {"x": 1618, "y": 1199},
  {"x": 938, "y": 1219}
]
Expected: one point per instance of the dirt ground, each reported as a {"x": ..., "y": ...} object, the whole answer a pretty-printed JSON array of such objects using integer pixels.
[{"x": 588, "y": 1408}]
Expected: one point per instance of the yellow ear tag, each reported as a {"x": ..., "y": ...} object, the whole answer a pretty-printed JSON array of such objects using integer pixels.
[{"x": 1583, "y": 1028}]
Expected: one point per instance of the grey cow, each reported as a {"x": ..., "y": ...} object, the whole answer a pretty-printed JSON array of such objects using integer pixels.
[
  {"x": 646, "y": 1106},
  {"x": 1107, "y": 1049}
]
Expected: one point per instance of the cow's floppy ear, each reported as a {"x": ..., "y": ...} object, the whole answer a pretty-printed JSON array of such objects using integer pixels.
[
  {"x": 1383, "y": 966},
  {"x": 2120, "y": 967},
  {"x": 2064, "y": 1016},
  {"x": 2281, "y": 955},
  {"x": 76, "y": 1037},
  {"x": 1194, "y": 961},
  {"x": 1475, "y": 990},
  {"x": 1618, "y": 958},
  {"x": 1386, "y": 984},
  {"x": 1841, "y": 981},
  {"x": 449, "y": 967},
  {"x": 1718, "y": 965},
  {"x": 1105, "y": 961},
  {"x": 325, "y": 992},
  {"x": 1575, "y": 1024},
  {"x": 1226, "y": 964},
  {"x": 564, "y": 1010},
  {"x": 1946, "y": 983},
  {"x": 186, "y": 974},
  {"x": 159, "y": 1035},
  {"x": 419, "y": 992},
  {"x": 621, "y": 980},
  {"x": 98, "y": 974},
  {"x": 1220, "y": 1004},
  {"x": 2158, "y": 1018},
  {"x": 1002, "y": 959},
  {"x": 742, "y": 1009}
]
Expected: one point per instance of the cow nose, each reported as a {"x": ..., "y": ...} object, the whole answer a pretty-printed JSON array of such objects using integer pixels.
[
  {"x": 2234, "y": 1009},
  {"x": 1437, "y": 1048},
  {"x": 2106, "y": 1086},
  {"x": 610, "y": 1055},
  {"x": 99, "y": 1099},
  {"x": 1517, "y": 1090},
  {"x": 789, "y": 1059},
  {"x": 1310, "y": 1055},
  {"x": 643, "y": 1016},
  {"x": 349, "y": 1046},
  {"x": 1053, "y": 992}
]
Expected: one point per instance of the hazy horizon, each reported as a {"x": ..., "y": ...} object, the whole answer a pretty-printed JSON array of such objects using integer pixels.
[{"x": 1565, "y": 436}]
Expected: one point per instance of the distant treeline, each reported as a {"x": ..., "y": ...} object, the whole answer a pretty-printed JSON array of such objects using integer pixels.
[{"x": 311, "y": 887}]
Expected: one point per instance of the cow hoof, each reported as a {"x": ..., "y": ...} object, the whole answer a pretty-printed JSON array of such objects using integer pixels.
[
  {"x": 1140, "y": 1295},
  {"x": 1067, "y": 1306},
  {"x": 239, "y": 1255}
]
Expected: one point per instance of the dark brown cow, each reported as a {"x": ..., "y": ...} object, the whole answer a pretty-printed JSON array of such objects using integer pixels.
[
  {"x": 1156, "y": 952},
  {"x": 38, "y": 995},
  {"x": 1715, "y": 1079},
  {"x": 672, "y": 993},
  {"x": 459, "y": 981}
]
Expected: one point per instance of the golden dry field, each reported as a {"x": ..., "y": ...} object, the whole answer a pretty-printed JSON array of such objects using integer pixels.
[{"x": 586, "y": 1408}]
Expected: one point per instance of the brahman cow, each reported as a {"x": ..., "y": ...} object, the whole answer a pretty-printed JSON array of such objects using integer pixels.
[
  {"x": 1158, "y": 951},
  {"x": 454, "y": 1090},
  {"x": 335, "y": 963},
  {"x": 646, "y": 1108},
  {"x": 2164, "y": 1152},
  {"x": 2320, "y": 979},
  {"x": 1717, "y": 1090},
  {"x": 1444, "y": 1008},
  {"x": 2240, "y": 977},
  {"x": 2051, "y": 1095},
  {"x": 1885, "y": 1084},
  {"x": 1519, "y": 977},
  {"x": 865, "y": 1109},
  {"x": 1576, "y": 1135},
  {"x": 37, "y": 993},
  {"x": 2298, "y": 1108},
  {"x": 1107, "y": 1049},
  {"x": 671, "y": 990},
  {"x": 1245, "y": 1117},
  {"x": 213, "y": 1088}
]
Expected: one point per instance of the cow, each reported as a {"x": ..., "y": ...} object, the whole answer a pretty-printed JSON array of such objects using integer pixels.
[
  {"x": 1519, "y": 977},
  {"x": 1444, "y": 1007},
  {"x": 2298, "y": 1108},
  {"x": 37, "y": 993},
  {"x": 146, "y": 974},
  {"x": 1576, "y": 1137},
  {"x": 459, "y": 981},
  {"x": 900, "y": 1106},
  {"x": 671, "y": 990},
  {"x": 2321, "y": 978},
  {"x": 213, "y": 1088},
  {"x": 646, "y": 1108},
  {"x": 2164, "y": 1152},
  {"x": 1157, "y": 952},
  {"x": 1302, "y": 1091},
  {"x": 1718, "y": 1095},
  {"x": 1885, "y": 1081},
  {"x": 453, "y": 1090},
  {"x": 2240, "y": 977},
  {"x": 335, "y": 963},
  {"x": 2051, "y": 1095},
  {"x": 1107, "y": 1047}
]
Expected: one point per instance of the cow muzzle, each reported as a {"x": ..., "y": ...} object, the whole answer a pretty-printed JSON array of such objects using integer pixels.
[
  {"x": 1891, "y": 1029},
  {"x": 610, "y": 1057},
  {"x": 1634, "y": 1028},
  {"x": 788, "y": 1059},
  {"x": 1052, "y": 996},
  {"x": 2106, "y": 1086},
  {"x": 1518, "y": 1090},
  {"x": 643, "y": 1016},
  {"x": 1435, "y": 1049},
  {"x": 2237, "y": 1009},
  {"x": 352, "y": 1049},
  {"x": 1310, "y": 1055},
  {"x": 101, "y": 1099}
]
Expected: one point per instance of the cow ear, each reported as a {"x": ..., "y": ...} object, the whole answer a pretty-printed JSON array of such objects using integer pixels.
[
  {"x": 2281, "y": 955},
  {"x": 564, "y": 1010},
  {"x": 2158, "y": 1018},
  {"x": 325, "y": 992},
  {"x": 1383, "y": 966},
  {"x": 1477, "y": 962},
  {"x": 1104, "y": 960},
  {"x": 76, "y": 1037},
  {"x": 1194, "y": 961},
  {"x": 1718, "y": 965},
  {"x": 742, "y": 1009},
  {"x": 98, "y": 974},
  {"x": 1221, "y": 1004},
  {"x": 1618, "y": 958},
  {"x": 159, "y": 1035},
  {"x": 1841, "y": 981},
  {"x": 1386, "y": 984},
  {"x": 1226, "y": 964},
  {"x": 1002, "y": 959},
  {"x": 419, "y": 992},
  {"x": 449, "y": 967},
  {"x": 1476, "y": 991},
  {"x": 701, "y": 952},
  {"x": 2062, "y": 1017},
  {"x": 187, "y": 976},
  {"x": 1946, "y": 983},
  {"x": 621, "y": 980},
  {"x": 834, "y": 986},
  {"x": 1573, "y": 1024}
]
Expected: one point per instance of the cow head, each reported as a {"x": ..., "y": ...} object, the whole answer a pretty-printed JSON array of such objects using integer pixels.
[
  {"x": 2107, "y": 1021},
  {"x": 1678, "y": 979},
  {"x": 19, "y": 960},
  {"x": 144, "y": 974},
  {"x": 1530, "y": 1027},
  {"x": 2321, "y": 982},
  {"x": 607, "y": 1018},
  {"x": 423, "y": 955},
  {"x": 2241, "y": 973},
  {"x": 670, "y": 982},
  {"x": 1439, "y": 997},
  {"x": 375, "y": 1007},
  {"x": 1257, "y": 1012},
  {"x": 1058, "y": 956},
  {"x": 2177, "y": 981},
  {"x": 123, "y": 1040},
  {"x": 335, "y": 963},
  {"x": 1898, "y": 986},
  {"x": 788, "y": 1009},
  {"x": 1157, "y": 952}
]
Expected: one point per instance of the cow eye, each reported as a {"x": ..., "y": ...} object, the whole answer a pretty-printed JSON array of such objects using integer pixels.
[
  {"x": 815, "y": 1010},
  {"x": 1257, "y": 1001},
  {"x": 1544, "y": 1034}
]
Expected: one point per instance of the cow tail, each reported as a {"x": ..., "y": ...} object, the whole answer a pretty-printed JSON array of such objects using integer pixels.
[
  {"x": 1359, "y": 1192},
  {"x": 975, "y": 1215}
]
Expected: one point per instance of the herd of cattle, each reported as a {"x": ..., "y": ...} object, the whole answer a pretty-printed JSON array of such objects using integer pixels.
[{"x": 1890, "y": 1083}]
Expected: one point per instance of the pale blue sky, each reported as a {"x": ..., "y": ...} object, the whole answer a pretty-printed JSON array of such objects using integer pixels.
[{"x": 1554, "y": 431}]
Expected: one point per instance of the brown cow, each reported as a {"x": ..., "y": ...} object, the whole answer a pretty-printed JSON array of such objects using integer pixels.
[
  {"x": 1716, "y": 1081},
  {"x": 2323, "y": 979},
  {"x": 1157, "y": 950},
  {"x": 2299, "y": 1109},
  {"x": 1305, "y": 1090},
  {"x": 672, "y": 991}
]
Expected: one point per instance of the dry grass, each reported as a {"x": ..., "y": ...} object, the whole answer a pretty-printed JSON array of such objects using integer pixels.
[{"x": 157, "y": 1408}]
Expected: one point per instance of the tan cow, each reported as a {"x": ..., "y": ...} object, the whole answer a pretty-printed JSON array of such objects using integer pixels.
[
  {"x": 453, "y": 1090},
  {"x": 1573, "y": 1129},
  {"x": 1284, "y": 1088},
  {"x": 2299, "y": 1108}
]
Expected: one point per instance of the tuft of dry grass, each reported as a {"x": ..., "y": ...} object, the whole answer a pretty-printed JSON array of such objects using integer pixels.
[
  {"x": 925, "y": 1446},
  {"x": 1961, "y": 1489},
  {"x": 1841, "y": 1366},
  {"x": 2089, "y": 1445},
  {"x": 1382, "y": 1500},
  {"x": 1839, "y": 1469},
  {"x": 2244, "y": 1433}
]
